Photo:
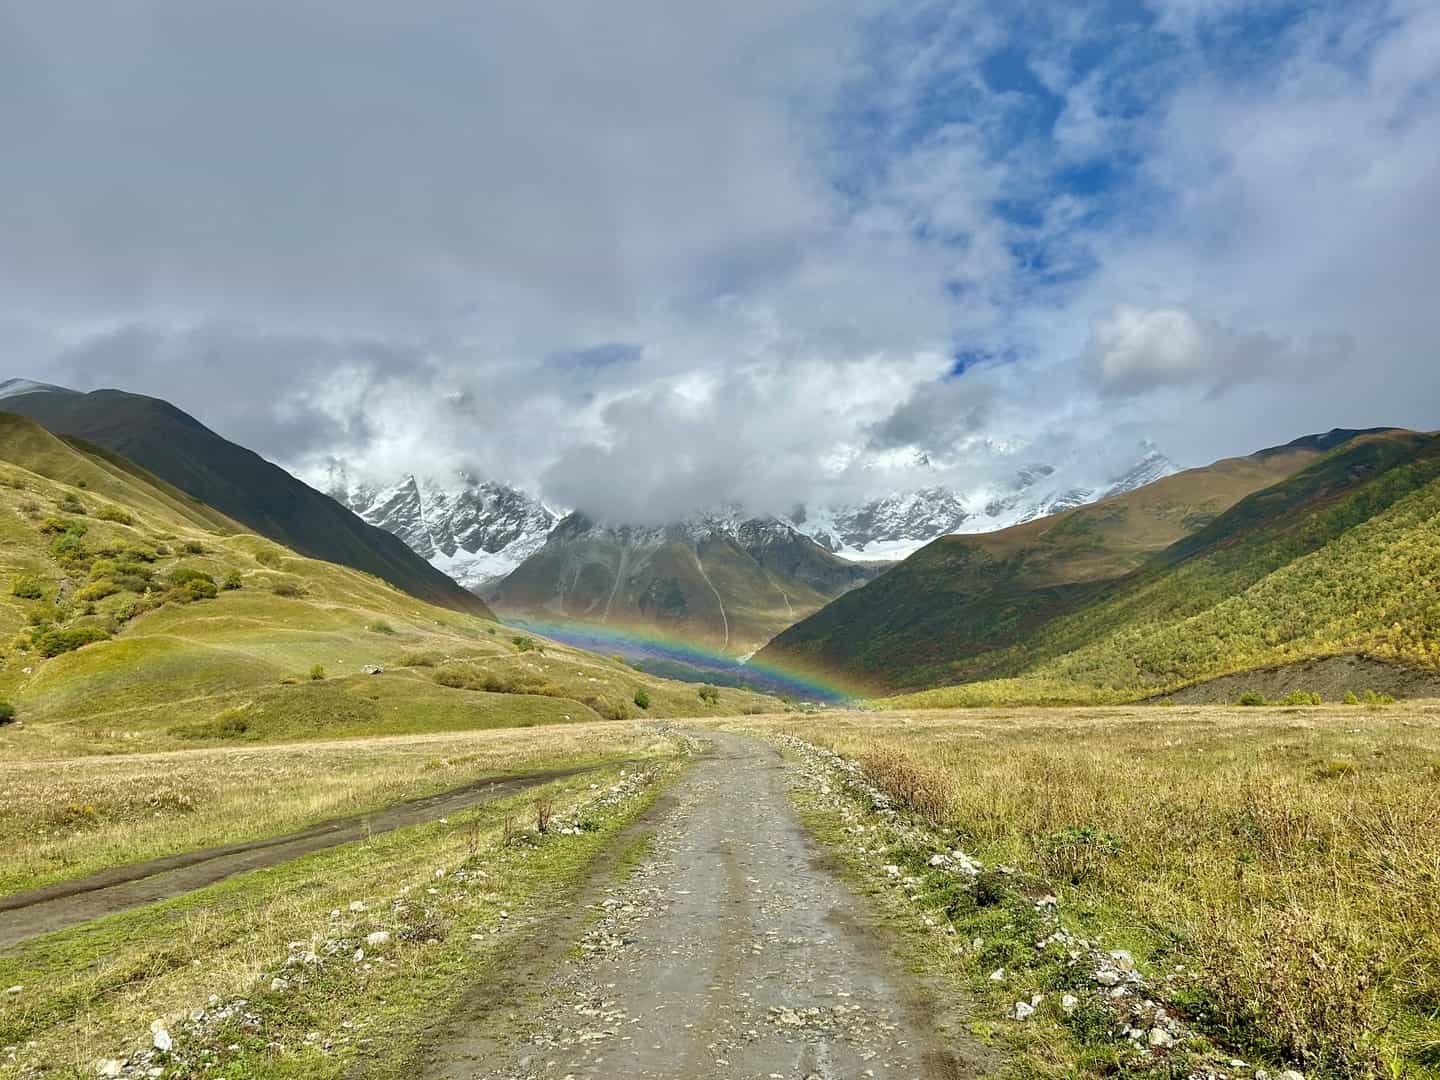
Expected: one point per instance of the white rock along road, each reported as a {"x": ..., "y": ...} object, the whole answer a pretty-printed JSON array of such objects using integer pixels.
[{"x": 730, "y": 951}]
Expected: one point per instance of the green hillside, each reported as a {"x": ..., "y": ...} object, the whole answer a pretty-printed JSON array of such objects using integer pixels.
[
  {"x": 238, "y": 482},
  {"x": 1343, "y": 556},
  {"x": 132, "y": 617}
]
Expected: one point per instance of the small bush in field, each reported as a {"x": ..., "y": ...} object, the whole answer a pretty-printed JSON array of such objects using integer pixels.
[
  {"x": 27, "y": 587},
  {"x": 642, "y": 698},
  {"x": 709, "y": 695},
  {"x": 115, "y": 514},
  {"x": 7, "y": 713},
  {"x": 232, "y": 580},
  {"x": 1251, "y": 698},
  {"x": 317, "y": 672}
]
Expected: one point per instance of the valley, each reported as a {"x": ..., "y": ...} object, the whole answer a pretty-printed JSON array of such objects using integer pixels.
[{"x": 265, "y": 815}]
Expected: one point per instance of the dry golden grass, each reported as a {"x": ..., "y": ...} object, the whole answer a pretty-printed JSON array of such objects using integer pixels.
[
  {"x": 91, "y": 992},
  {"x": 63, "y": 819},
  {"x": 1289, "y": 859}
]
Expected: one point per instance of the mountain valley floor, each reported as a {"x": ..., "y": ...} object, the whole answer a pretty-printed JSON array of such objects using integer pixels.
[{"x": 1145, "y": 890}]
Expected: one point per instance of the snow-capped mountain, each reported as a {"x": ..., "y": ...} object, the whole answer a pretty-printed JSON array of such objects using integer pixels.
[
  {"x": 895, "y": 526},
  {"x": 718, "y": 577},
  {"x": 475, "y": 531},
  {"x": 480, "y": 531}
]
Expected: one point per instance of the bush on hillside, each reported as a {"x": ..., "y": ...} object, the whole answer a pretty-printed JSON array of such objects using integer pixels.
[
  {"x": 317, "y": 672},
  {"x": 523, "y": 644},
  {"x": 1300, "y": 697},
  {"x": 55, "y": 526},
  {"x": 642, "y": 698},
  {"x": 709, "y": 695},
  {"x": 380, "y": 626},
  {"x": 115, "y": 514},
  {"x": 56, "y": 641},
  {"x": 7, "y": 713},
  {"x": 183, "y": 575},
  {"x": 232, "y": 580},
  {"x": 288, "y": 588},
  {"x": 1251, "y": 697},
  {"x": 97, "y": 590},
  {"x": 27, "y": 587},
  {"x": 192, "y": 547},
  {"x": 196, "y": 589},
  {"x": 71, "y": 505}
]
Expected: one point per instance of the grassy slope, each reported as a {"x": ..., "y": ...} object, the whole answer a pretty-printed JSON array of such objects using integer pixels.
[
  {"x": 964, "y": 595},
  {"x": 237, "y": 667},
  {"x": 171, "y": 444},
  {"x": 1343, "y": 557}
]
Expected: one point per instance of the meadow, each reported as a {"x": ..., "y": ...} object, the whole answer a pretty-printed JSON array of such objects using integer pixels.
[
  {"x": 329, "y": 963},
  {"x": 1274, "y": 872}
]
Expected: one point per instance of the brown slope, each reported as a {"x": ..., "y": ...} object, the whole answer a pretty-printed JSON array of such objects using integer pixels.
[{"x": 966, "y": 595}]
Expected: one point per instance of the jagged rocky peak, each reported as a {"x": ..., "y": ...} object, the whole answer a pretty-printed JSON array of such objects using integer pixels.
[{"x": 476, "y": 531}]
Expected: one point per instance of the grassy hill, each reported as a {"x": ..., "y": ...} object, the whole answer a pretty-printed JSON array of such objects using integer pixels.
[
  {"x": 132, "y": 617},
  {"x": 239, "y": 483},
  {"x": 730, "y": 589},
  {"x": 1339, "y": 556}
]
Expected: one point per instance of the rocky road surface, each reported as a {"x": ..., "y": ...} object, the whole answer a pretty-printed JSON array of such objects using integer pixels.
[
  {"x": 732, "y": 950},
  {"x": 69, "y": 903}
]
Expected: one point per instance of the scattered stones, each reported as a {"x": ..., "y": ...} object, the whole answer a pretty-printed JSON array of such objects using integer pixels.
[
  {"x": 160, "y": 1036},
  {"x": 357, "y": 906},
  {"x": 1021, "y": 1010},
  {"x": 378, "y": 939},
  {"x": 109, "y": 1067},
  {"x": 1069, "y": 1003}
]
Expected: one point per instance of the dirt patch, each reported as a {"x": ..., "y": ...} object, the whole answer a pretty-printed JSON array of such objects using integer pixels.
[
  {"x": 68, "y": 903},
  {"x": 1331, "y": 677}
]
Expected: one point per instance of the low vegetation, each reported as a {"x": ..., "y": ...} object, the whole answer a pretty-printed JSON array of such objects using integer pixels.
[
  {"x": 1341, "y": 558},
  {"x": 338, "y": 961},
  {"x": 1273, "y": 874},
  {"x": 163, "y": 624}
]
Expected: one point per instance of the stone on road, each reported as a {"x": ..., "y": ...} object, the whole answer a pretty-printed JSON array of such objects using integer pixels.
[{"x": 731, "y": 951}]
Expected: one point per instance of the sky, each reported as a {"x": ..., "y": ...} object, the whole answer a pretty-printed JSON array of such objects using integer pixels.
[{"x": 645, "y": 257}]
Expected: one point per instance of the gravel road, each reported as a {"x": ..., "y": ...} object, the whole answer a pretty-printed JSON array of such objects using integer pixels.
[{"x": 732, "y": 950}]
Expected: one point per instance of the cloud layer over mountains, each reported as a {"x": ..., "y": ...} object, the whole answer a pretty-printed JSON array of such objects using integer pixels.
[{"x": 641, "y": 256}]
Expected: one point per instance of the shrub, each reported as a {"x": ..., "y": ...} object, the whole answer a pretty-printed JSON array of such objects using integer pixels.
[
  {"x": 1375, "y": 700},
  {"x": 317, "y": 672},
  {"x": 523, "y": 644},
  {"x": 192, "y": 547},
  {"x": 97, "y": 590},
  {"x": 1076, "y": 853},
  {"x": 139, "y": 553},
  {"x": 380, "y": 627},
  {"x": 183, "y": 575},
  {"x": 1350, "y": 698},
  {"x": 115, "y": 514},
  {"x": 270, "y": 558},
  {"x": 1300, "y": 697},
  {"x": 232, "y": 580},
  {"x": 70, "y": 548},
  {"x": 7, "y": 713},
  {"x": 608, "y": 710},
  {"x": 27, "y": 587},
  {"x": 642, "y": 698},
  {"x": 71, "y": 505},
  {"x": 197, "y": 589},
  {"x": 419, "y": 659},
  {"x": 55, "y": 642},
  {"x": 1251, "y": 697},
  {"x": 288, "y": 587},
  {"x": 708, "y": 695}
]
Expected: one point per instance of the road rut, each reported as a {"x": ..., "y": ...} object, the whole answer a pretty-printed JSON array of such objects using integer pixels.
[
  {"x": 733, "y": 950},
  {"x": 68, "y": 903}
]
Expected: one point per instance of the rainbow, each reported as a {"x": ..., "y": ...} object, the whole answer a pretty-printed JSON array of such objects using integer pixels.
[{"x": 676, "y": 657}]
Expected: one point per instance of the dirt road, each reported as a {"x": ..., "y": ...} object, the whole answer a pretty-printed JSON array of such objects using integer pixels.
[
  {"x": 731, "y": 951},
  {"x": 68, "y": 903}
]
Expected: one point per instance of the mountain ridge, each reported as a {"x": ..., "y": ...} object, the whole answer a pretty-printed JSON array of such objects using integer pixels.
[{"x": 178, "y": 448}]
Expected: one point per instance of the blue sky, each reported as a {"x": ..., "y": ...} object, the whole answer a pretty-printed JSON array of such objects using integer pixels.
[{"x": 650, "y": 255}]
